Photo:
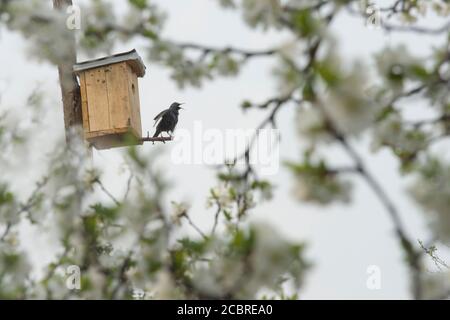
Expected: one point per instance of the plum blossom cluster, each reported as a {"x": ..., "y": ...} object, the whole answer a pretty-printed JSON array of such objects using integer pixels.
[
  {"x": 432, "y": 191},
  {"x": 128, "y": 245}
]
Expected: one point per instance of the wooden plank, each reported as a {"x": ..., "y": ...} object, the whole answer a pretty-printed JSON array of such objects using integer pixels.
[
  {"x": 97, "y": 96},
  {"x": 84, "y": 103},
  {"x": 118, "y": 95},
  {"x": 133, "y": 89},
  {"x": 136, "y": 110},
  {"x": 112, "y": 138},
  {"x": 114, "y": 131}
]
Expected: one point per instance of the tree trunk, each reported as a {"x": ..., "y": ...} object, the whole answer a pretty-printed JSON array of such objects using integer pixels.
[{"x": 70, "y": 89}]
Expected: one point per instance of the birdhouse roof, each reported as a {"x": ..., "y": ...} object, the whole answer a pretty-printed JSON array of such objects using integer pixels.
[{"x": 131, "y": 57}]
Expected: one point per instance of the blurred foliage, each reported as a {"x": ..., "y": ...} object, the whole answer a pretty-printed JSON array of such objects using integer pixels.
[{"x": 129, "y": 247}]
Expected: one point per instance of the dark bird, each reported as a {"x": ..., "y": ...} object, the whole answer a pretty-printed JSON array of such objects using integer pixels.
[{"x": 169, "y": 119}]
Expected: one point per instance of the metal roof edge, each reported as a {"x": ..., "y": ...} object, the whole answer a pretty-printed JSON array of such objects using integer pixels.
[{"x": 132, "y": 57}]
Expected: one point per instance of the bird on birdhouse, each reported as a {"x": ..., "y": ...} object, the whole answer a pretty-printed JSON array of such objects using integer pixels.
[{"x": 168, "y": 119}]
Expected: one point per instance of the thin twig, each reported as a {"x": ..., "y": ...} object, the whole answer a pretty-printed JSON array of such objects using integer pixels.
[
  {"x": 109, "y": 194},
  {"x": 226, "y": 50},
  {"x": 193, "y": 225},
  {"x": 5, "y": 233},
  {"x": 122, "y": 275},
  {"x": 127, "y": 190},
  {"x": 405, "y": 242},
  {"x": 216, "y": 218},
  {"x": 419, "y": 30},
  {"x": 430, "y": 250}
]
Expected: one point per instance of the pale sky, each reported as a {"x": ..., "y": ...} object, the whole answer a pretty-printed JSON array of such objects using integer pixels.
[{"x": 343, "y": 240}]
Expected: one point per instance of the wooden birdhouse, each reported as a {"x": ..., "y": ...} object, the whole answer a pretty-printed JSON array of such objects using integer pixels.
[{"x": 110, "y": 99}]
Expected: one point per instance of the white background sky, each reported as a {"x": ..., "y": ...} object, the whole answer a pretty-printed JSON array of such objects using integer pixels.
[{"x": 343, "y": 240}]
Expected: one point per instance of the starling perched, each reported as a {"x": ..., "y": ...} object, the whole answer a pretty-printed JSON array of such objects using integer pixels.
[{"x": 169, "y": 119}]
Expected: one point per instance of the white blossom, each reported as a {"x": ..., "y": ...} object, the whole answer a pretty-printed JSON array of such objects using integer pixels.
[
  {"x": 391, "y": 132},
  {"x": 270, "y": 257},
  {"x": 432, "y": 191},
  {"x": 348, "y": 103},
  {"x": 436, "y": 285},
  {"x": 394, "y": 64},
  {"x": 264, "y": 12},
  {"x": 310, "y": 188},
  {"x": 311, "y": 125},
  {"x": 165, "y": 287},
  {"x": 46, "y": 28},
  {"x": 221, "y": 195}
]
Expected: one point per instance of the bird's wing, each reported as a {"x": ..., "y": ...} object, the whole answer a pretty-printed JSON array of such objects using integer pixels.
[{"x": 159, "y": 116}]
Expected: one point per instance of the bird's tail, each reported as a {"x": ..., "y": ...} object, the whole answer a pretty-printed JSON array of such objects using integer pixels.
[{"x": 157, "y": 133}]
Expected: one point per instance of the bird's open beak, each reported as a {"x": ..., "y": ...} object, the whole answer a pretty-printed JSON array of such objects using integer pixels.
[{"x": 182, "y": 104}]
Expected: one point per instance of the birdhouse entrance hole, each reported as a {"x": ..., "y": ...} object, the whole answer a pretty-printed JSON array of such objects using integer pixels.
[{"x": 110, "y": 100}]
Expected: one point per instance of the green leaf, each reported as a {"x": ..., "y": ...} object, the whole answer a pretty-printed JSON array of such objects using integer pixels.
[
  {"x": 105, "y": 212},
  {"x": 195, "y": 247},
  {"x": 6, "y": 197},
  {"x": 328, "y": 72},
  {"x": 419, "y": 71},
  {"x": 246, "y": 105},
  {"x": 305, "y": 23},
  {"x": 140, "y": 4}
]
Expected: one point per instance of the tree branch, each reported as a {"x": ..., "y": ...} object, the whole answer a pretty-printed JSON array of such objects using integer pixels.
[
  {"x": 70, "y": 90},
  {"x": 226, "y": 50},
  {"x": 413, "y": 256}
]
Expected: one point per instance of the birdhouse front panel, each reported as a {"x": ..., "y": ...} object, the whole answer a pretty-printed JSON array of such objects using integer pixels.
[
  {"x": 97, "y": 100},
  {"x": 110, "y": 101},
  {"x": 133, "y": 91}
]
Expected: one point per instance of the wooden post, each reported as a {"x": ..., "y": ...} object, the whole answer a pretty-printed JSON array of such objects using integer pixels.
[{"x": 70, "y": 90}]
